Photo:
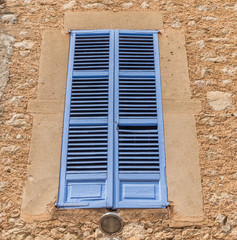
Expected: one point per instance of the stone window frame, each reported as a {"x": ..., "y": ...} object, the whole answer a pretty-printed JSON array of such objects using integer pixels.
[{"x": 183, "y": 180}]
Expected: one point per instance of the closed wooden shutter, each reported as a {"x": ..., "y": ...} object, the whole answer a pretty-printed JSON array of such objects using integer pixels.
[
  {"x": 88, "y": 121},
  {"x": 140, "y": 160},
  {"x": 113, "y": 140}
]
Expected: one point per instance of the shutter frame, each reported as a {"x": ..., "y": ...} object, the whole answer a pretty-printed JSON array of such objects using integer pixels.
[{"x": 160, "y": 118}]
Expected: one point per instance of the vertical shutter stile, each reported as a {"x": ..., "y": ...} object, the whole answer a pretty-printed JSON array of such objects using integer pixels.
[
  {"x": 88, "y": 122},
  {"x": 139, "y": 140}
]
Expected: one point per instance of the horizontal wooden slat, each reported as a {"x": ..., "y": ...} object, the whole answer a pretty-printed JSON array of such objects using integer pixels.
[{"x": 138, "y": 148}]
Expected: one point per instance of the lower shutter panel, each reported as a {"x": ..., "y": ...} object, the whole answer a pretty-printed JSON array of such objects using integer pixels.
[
  {"x": 138, "y": 166},
  {"x": 138, "y": 149},
  {"x": 140, "y": 154},
  {"x": 87, "y": 165}
]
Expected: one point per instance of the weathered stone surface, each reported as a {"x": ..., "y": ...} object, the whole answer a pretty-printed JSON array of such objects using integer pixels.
[
  {"x": 98, "y": 234},
  {"x": 201, "y": 44},
  {"x": 220, "y": 218},
  {"x": 9, "y": 18},
  {"x": 70, "y": 236},
  {"x": 18, "y": 120},
  {"x": 6, "y": 42},
  {"x": 212, "y": 155},
  {"x": 229, "y": 70},
  {"x": 219, "y": 100},
  {"x": 232, "y": 219},
  {"x": 191, "y": 23},
  {"x": 24, "y": 53},
  {"x": 216, "y": 59},
  {"x": 69, "y": 5},
  {"x": 218, "y": 39},
  {"x": 2, "y": 185},
  {"x": 227, "y": 81},
  {"x": 145, "y": 5},
  {"x": 164, "y": 235},
  {"x": 16, "y": 100},
  {"x": 226, "y": 228},
  {"x": 127, "y": 5},
  {"x": 47, "y": 2},
  {"x": 209, "y": 18},
  {"x": 43, "y": 237},
  {"x": 202, "y": 8},
  {"x": 131, "y": 228},
  {"x": 176, "y": 24},
  {"x": 27, "y": 44},
  {"x": 220, "y": 198},
  {"x": 202, "y": 83},
  {"x": 9, "y": 149}
]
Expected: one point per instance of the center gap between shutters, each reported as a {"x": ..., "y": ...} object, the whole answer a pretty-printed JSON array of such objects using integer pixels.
[{"x": 113, "y": 140}]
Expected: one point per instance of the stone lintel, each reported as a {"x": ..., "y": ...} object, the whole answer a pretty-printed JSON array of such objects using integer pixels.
[{"x": 113, "y": 20}]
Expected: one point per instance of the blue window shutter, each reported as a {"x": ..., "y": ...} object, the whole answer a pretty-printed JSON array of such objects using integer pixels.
[
  {"x": 140, "y": 180},
  {"x": 88, "y": 122},
  {"x": 113, "y": 139}
]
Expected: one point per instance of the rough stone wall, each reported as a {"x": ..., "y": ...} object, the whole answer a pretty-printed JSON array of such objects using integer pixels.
[{"x": 210, "y": 31}]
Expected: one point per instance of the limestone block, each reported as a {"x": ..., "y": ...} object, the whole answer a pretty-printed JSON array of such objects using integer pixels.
[
  {"x": 9, "y": 18},
  {"x": 69, "y": 5},
  {"x": 219, "y": 100},
  {"x": 26, "y": 44}
]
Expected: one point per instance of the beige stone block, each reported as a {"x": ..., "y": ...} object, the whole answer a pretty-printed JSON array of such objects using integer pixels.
[
  {"x": 53, "y": 65},
  {"x": 182, "y": 165},
  {"x": 174, "y": 65},
  {"x": 41, "y": 187},
  {"x": 172, "y": 106},
  {"x": 16, "y": 32},
  {"x": 45, "y": 106},
  {"x": 113, "y": 20}
]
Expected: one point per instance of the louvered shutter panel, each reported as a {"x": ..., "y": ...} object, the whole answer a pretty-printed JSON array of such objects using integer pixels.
[
  {"x": 88, "y": 122},
  {"x": 139, "y": 139}
]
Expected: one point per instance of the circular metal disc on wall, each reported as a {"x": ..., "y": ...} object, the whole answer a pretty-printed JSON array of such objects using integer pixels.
[{"x": 111, "y": 223}]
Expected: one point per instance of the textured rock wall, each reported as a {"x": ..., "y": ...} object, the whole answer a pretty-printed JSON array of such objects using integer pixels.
[{"x": 210, "y": 31}]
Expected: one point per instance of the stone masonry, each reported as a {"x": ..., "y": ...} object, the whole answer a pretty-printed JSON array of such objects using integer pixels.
[{"x": 210, "y": 32}]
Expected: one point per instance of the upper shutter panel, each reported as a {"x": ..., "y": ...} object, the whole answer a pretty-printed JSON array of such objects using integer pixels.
[
  {"x": 89, "y": 97},
  {"x": 140, "y": 140},
  {"x": 87, "y": 132},
  {"x": 91, "y": 52},
  {"x": 136, "y": 52},
  {"x": 137, "y": 93},
  {"x": 137, "y": 97}
]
